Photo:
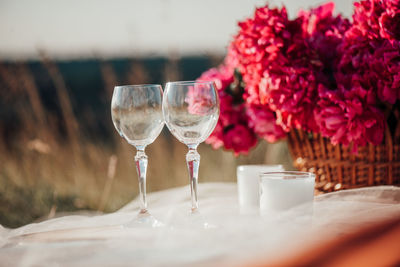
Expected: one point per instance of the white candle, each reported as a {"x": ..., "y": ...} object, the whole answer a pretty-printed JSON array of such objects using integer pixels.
[
  {"x": 283, "y": 190},
  {"x": 248, "y": 184}
]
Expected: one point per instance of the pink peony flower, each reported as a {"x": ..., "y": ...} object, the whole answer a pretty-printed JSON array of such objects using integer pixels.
[
  {"x": 370, "y": 50},
  {"x": 216, "y": 137},
  {"x": 232, "y": 123},
  {"x": 257, "y": 44},
  {"x": 222, "y": 77},
  {"x": 240, "y": 139},
  {"x": 292, "y": 92},
  {"x": 384, "y": 68},
  {"x": 324, "y": 32},
  {"x": 263, "y": 122},
  {"x": 378, "y": 19},
  {"x": 346, "y": 116},
  {"x": 390, "y": 26}
]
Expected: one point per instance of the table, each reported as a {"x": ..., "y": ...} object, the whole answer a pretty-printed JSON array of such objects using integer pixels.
[{"x": 232, "y": 238}]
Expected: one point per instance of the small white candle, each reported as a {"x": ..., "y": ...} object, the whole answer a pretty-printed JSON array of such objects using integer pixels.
[
  {"x": 283, "y": 190},
  {"x": 248, "y": 184}
]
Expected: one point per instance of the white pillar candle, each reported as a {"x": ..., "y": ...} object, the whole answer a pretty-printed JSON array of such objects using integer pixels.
[
  {"x": 283, "y": 190},
  {"x": 248, "y": 184}
]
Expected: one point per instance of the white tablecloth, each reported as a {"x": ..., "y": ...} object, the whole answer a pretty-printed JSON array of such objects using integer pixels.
[{"x": 231, "y": 238}]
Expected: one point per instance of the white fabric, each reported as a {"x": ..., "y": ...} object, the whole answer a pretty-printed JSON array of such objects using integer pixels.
[{"x": 231, "y": 238}]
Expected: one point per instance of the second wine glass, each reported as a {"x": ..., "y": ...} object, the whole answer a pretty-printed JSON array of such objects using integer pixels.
[{"x": 191, "y": 111}]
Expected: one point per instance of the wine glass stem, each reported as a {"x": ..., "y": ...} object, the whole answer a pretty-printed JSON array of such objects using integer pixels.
[
  {"x": 193, "y": 162},
  {"x": 141, "y": 168}
]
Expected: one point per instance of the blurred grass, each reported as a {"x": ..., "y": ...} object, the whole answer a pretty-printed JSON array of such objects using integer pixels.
[{"x": 59, "y": 151}]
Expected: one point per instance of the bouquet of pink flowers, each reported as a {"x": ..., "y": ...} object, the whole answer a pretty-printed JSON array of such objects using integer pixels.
[{"x": 318, "y": 73}]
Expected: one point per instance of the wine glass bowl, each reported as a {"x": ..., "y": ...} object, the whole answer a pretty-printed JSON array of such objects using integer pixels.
[
  {"x": 191, "y": 111},
  {"x": 137, "y": 113}
]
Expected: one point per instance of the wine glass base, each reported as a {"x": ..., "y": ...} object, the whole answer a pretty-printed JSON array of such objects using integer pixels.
[
  {"x": 144, "y": 219},
  {"x": 197, "y": 220}
]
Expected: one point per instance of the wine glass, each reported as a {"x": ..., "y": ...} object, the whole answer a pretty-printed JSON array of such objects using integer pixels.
[
  {"x": 191, "y": 111},
  {"x": 137, "y": 116}
]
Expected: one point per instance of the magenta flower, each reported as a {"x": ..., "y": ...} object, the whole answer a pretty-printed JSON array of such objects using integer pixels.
[
  {"x": 232, "y": 121},
  {"x": 217, "y": 136},
  {"x": 324, "y": 32},
  {"x": 378, "y": 19},
  {"x": 346, "y": 116},
  {"x": 257, "y": 44},
  {"x": 239, "y": 138},
  {"x": 283, "y": 60},
  {"x": 263, "y": 122},
  {"x": 317, "y": 72},
  {"x": 222, "y": 77},
  {"x": 371, "y": 50}
]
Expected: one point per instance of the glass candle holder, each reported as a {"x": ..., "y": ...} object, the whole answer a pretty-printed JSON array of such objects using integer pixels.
[
  {"x": 280, "y": 191},
  {"x": 248, "y": 184}
]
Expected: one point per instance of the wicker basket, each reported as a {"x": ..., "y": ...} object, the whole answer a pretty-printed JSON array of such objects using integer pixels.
[{"x": 337, "y": 168}]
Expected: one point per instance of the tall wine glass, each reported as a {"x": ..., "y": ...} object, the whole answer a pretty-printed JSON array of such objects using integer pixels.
[
  {"x": 137, "y": 116},
  {"x": 191, "y": 111}
]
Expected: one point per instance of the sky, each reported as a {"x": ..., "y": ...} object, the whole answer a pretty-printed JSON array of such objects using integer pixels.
[{"x": 92, "y": 28}]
